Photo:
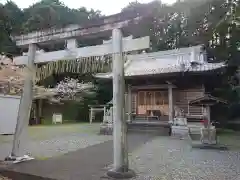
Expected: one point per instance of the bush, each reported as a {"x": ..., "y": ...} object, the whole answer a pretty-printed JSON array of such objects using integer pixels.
[{"x": 234, "y": 110}]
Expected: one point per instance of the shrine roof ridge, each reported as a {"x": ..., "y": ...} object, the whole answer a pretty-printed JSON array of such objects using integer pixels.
[{"x": 189, "y": 59}]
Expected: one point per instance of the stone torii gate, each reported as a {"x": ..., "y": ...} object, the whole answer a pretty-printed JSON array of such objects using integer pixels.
[{"x": 116, "y": 47}]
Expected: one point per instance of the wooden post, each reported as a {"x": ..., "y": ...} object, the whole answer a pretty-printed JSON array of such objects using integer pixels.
[
  {"x": 25, "y": 106},
  {"x": 71, "y": 44},
  {"x": 104, "y": 114},
  {"x": 208, "y": 115},
  {"x": 40, "y": 109},
  {"x": 120, "y": 153},
  {"x": 91, "y": 115},
  {"x": 170, "y": 103},
  {"x": 129, "y": 103}
]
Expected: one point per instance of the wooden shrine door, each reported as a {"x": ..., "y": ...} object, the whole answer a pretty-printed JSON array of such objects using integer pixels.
[{"x": 149, "y": 101}]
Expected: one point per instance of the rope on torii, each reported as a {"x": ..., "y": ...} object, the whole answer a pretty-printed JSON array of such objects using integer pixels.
[{"x": 83, "y": 65}]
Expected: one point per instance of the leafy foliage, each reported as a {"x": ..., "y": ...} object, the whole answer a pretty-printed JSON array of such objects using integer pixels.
[
  {"x": 214, "y": 23},
  {"x": 185, "y": 23},
  {"x": 42, "y": 15}
]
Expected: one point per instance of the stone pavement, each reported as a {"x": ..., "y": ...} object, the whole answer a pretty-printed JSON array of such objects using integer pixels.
[{"x": 85, "y": 164}]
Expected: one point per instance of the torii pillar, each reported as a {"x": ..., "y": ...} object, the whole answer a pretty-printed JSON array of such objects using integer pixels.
[
  {"x": 24, "y": 110},
  {"x": 120, "y": 153}
]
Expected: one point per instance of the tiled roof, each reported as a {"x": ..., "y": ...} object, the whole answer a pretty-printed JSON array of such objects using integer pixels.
[
  {"x": 207, "y": 100},
  {"x": 172, "y": 61}
]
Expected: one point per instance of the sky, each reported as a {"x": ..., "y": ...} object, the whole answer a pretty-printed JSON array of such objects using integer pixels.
[{"x": 107, "y": 7}]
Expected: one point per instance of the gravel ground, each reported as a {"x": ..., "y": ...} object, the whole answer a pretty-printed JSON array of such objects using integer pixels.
[
  {"x": 165, "y": 158},
  {"x": 162, "y": 158},
  {"x": 51, "y": 145},
  {"x": 56, "y": 146}
]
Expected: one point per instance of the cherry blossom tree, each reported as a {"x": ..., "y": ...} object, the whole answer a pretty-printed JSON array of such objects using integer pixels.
[{"x": 71, "y": 89}]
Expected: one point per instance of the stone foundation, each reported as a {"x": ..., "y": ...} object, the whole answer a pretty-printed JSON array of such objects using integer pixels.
[{"x": 180, "y": 131}]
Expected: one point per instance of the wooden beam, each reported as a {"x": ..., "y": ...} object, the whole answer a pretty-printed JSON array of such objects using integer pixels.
[
  {"x": 99, "y": 50},
  {"x": 170, "y": 103},
  {"x": 129, "y": 100},
  {"x": 160, "y": 86}
]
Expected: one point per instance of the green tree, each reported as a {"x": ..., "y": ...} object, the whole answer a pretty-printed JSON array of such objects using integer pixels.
[{"x": 53, "y": 13}]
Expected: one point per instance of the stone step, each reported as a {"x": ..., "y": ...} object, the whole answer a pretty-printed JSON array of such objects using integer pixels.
[
  {"x": 157, "y": 128},
  {"x": 195, "y": 130},
  {"x": 149, "y": 124},
  {"x": 149, "y": 118},
  {"x": 160, "y": 132},
  {"x": 195, "y": 136},
  {"x": 144, "y": 127}
]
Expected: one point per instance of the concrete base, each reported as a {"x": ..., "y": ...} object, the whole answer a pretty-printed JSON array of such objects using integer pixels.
[
  {"x": 180, "y": 131},
  {"x": 106, "y": 129},
  {"x": 121, "y": 174},
  {"x": 195, "y": 137},
  {"x": 208, "y": 136}
]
